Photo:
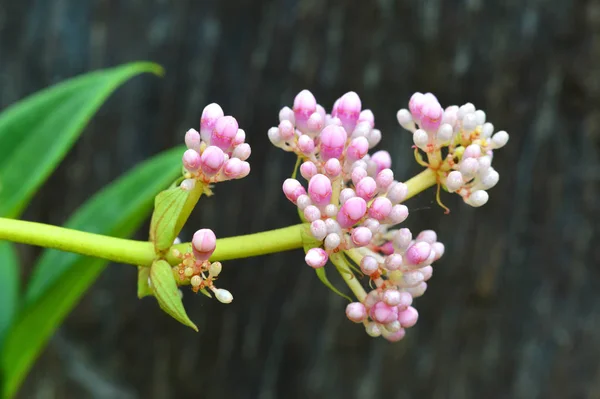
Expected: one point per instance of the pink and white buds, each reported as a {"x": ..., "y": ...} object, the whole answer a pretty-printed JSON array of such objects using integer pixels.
[
  {"x": 380, "y": 208},
  {"x": 320, "y": 190},
  {"x": 356, "y": 312},
  {"x": 308, "y": 169},
  {"x": 204, "y": 243},
  {"x": 431, "y": 116},
  {"x": 293, "y": 189},
  {"x": 383, "y": 313},
  {"x": 224, "y": 132},
  {"x": 332, "y": 142},
  {"x": 408, "y": 317},
  {"x": 361, "y": 236},
  {"x": 210, "y": 115},
  {"x": 351, "y": 212},
  {"x": 305, "y": 105},
  {"x": 348, "y": 110},
  {"x": 192, "y": 140},
  {"x": 369, "y": 265},
  {"x": 191, "y": 160},
  {"x": 212, "y": 160},
  {"x": 418, "y": 253},
  {"x": 316, "y": 258}
]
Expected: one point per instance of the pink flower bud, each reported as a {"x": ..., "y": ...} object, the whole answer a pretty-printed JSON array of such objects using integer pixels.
[
  {"x": 212, "y": 160},
  {"x": 427, "y": 272},
  {"x": 318, "y": 229},
  {"x": 191, "y": 160},
  {"x": 312, "y": 213},
  {"x": 358, "y": 148},
  {"x": 348, "y": 110},
  {"x": 396, "y": 336},
  {"x": 387, "y": 248},
  {"x": 384, "y": 178},
  {"x": 380, "y": 208},
  {"x": 358, "y": 174},
  {"x": 418, "y": 253},
  {"x": 416, "y": 103},
  {"x": 351, "y": 212},
  {"x": 439, "y": 249},
  {"x": 417, "y": 291},
  {"x": 382, "y": 159},
  {"x": 366, "y": 115},
  {"x": 319, "y": 190},
  {"x": 192, "y": 140},
  {"x": 346, "y": 194},
  {"x": 224, "y": 132},
  {"x": 408, "y": 317},
  {"x": 305, "y": 105},
  {"x": 369, "y": 265},
  {"x": 397, "y": 192},
  {"x": 372, "y": 224},
  {"x": 361, "y": 236},
  {"x": 239, "y": 138},
  {"x": 306, "y": 144},
  {"x": 393, "y": 262},
  {"x": 332, "y": 142},
  {"x": 332, "y": 167},
  {"x": 286, "y": 113},
  {"x": 286, "y": 130},
  {"x": 204, "y": 243},
  {"x": 316, "y": 258},
  {"x": 356, "y": 312},
  {"x": 210, "y": 115},
  {"x": 406, "y": 300},
  {"x": 366, "y": 188},
  {"x": 398, "y": 214},
  {"x": 431, "y": 116},
  {"x": 293, "y": 189},
  {"x": 235, "y": 168},
  {"x": 402, "y": 239},
  {"x": 429, "y": 236},
  {"x": 472, "y": 151},
  {"x": 316, "y": 122},
  {"x": 383, "y": 313},
  {"x": 242, "y": 151},
  {"x": 308, "y": 170}
]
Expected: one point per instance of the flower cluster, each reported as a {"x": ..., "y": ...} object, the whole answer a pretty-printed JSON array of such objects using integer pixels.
[
  {"x": 196, "y": 269},
  {"x": 351, "y": 202},
  {"x": 470, "y": 141},
  {"x": 218, "y": 152}
]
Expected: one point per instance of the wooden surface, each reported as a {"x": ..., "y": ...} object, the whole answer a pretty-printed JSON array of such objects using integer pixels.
[{"x": 513, "y": 310}]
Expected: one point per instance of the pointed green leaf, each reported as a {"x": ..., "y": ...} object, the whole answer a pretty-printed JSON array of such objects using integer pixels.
[
  {"x": 167, "y": 293},
  {"x": 38, "y": 131},
  {"x": 9, "y": 286},
  {"x": 172, "y": 208},
  {"x": 143, "y": 285},
  {"x": 322, "y": 275},
  {"x": 60, "y": 279}
]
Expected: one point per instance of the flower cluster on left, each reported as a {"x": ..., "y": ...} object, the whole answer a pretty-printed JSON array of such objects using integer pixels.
[{"x": 218, "y": 152}]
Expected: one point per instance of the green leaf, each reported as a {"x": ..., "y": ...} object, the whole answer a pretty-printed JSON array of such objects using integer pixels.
[
  {"x": 167, "y": 293},
  {"x": 60, "y": 279},
  {"x": 172, "y": 208},
  {"x": 143, "y": 286},
  {"x": 9, "y": 286},
  {"x": 38, "y": 131},
  {"x": 323, "y": 277}
]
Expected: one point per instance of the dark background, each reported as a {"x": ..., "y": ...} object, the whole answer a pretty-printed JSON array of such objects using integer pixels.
[{"x": 513, "y": 310}]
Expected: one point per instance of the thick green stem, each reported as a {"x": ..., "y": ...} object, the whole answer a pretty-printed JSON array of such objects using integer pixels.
[
  {"x": 421, "y": 182},
  {"x": 99, "y": 246}
]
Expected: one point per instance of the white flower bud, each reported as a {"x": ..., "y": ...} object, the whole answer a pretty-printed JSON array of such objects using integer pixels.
[
  {"x": 487, "y": 130},
  {"x": 405, "y": 119},
  {"x": 196, "y": 281},
  {"x": 500, "y": 139},
  {"x": 454, "y": 181},
  {"x": 444, "y": 134},
  {"x": 223, "y": 296},
  {"x": 478, "y": 198},
  {"x": 332, "y": 241},
  {"x": 215, "y": 269},
  {"x": 373, "y": 329},
  {"x": 420, "y": 138},
  {"x": 480, "y": 117}
]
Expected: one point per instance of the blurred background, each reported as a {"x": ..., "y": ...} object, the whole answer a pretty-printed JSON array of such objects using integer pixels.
[{"x": 513, "y": 308}]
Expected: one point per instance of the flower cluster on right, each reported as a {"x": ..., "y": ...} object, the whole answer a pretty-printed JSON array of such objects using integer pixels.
[
  {"x": 353, "y": 202},
  {"x": 470, "y": 142}
]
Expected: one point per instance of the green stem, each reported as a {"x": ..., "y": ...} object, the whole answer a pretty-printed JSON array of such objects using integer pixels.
[
  {"x": 421, "y": 182},
  {"x": 100, "y": 246},
  {"x": 266, "y": 242},
  {"x": 349, "y": 278},
  {"x": 141, "y": 253}
]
